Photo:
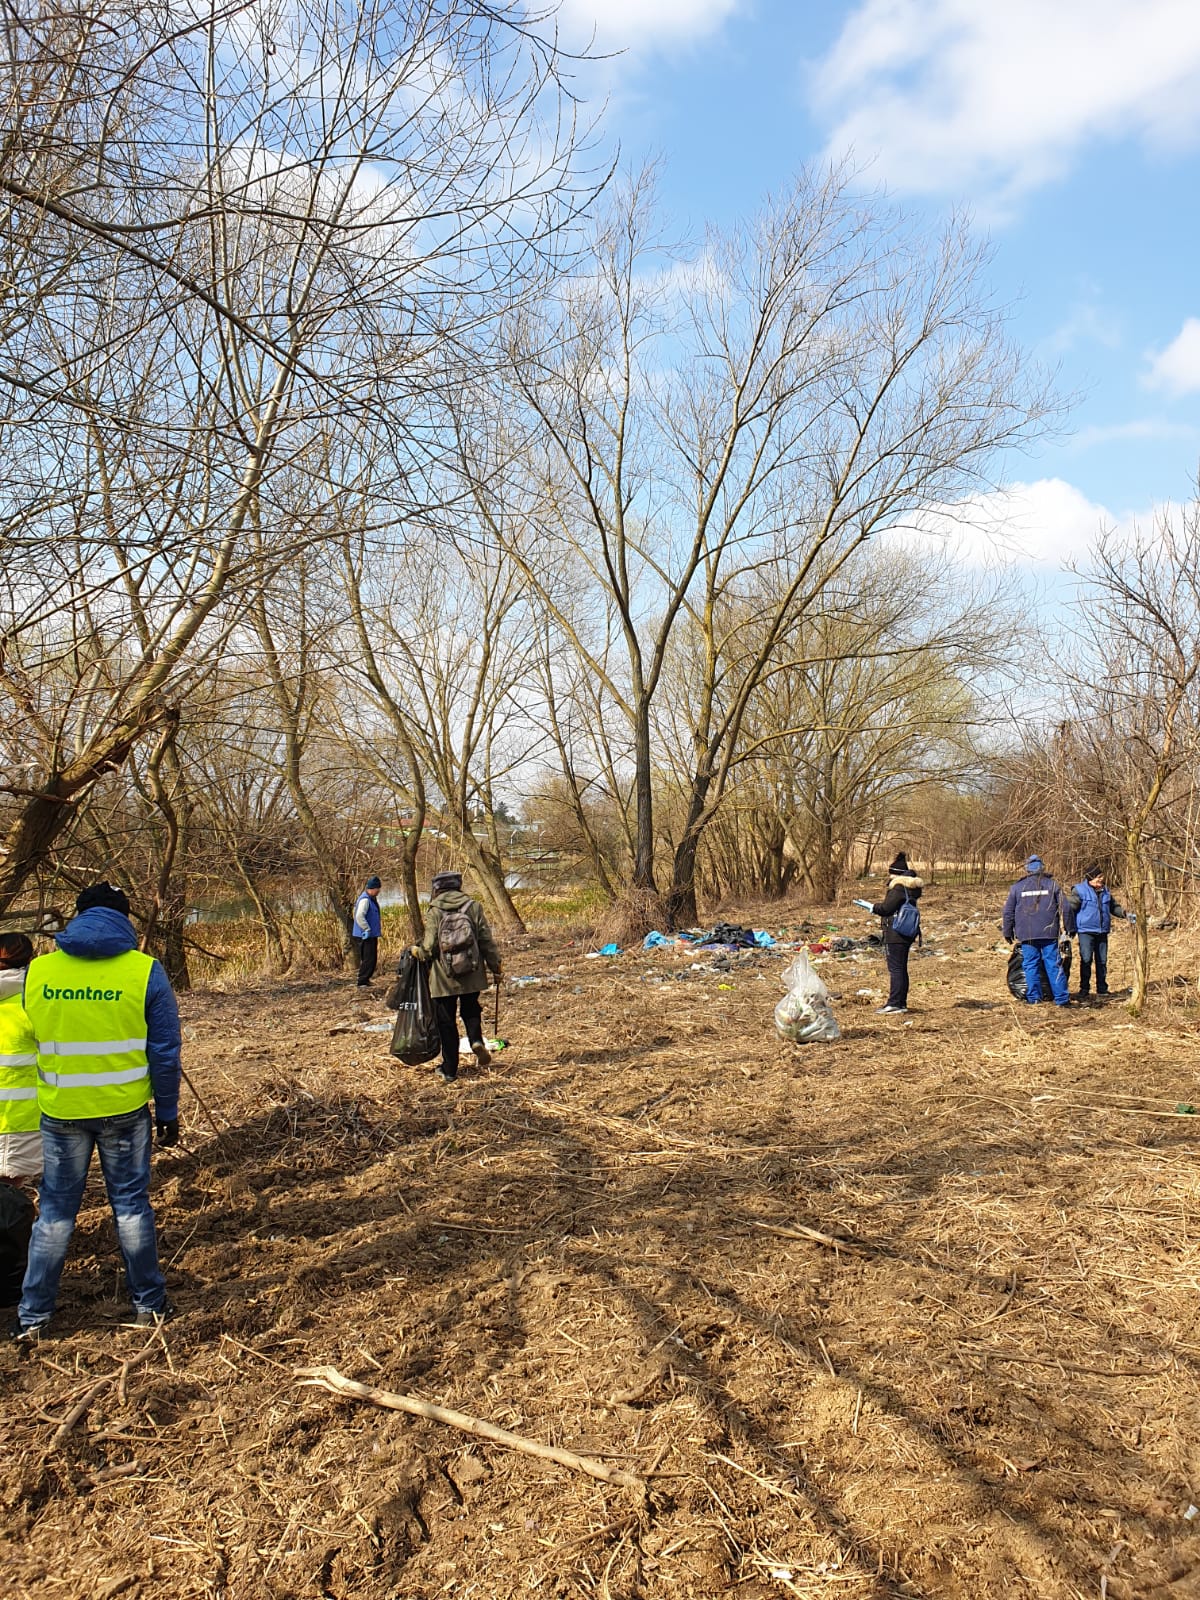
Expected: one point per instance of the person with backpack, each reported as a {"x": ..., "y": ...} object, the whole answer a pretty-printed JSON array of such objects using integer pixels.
[
  {"x": 367, "y": 927},
  {"x": 1032, "y": 918},
  {"x": 461, "y": 951},
  {"x": 901, "y": 926},
  {"x": 1088, "y": 914}
]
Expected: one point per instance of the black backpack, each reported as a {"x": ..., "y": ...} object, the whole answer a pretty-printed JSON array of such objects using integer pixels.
[{"x": 458, "y": 948}]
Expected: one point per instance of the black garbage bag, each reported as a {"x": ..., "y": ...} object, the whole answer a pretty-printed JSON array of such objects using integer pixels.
[
  {"x": 1016, "y": 970},
  {"x": 415, "y": 1036},
  {"x": 16, "y": 1224},
  {"x": 730, "y": 934}
]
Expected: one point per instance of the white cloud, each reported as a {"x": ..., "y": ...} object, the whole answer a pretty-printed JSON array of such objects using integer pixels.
[
  {"x": 1085, "y": 323},
  {"x": 1135, "y": 431},
  {"x": 1041, "y": 525},
  {"x": 630, "y": 24},
  {"x": 996, "y": 97},
  {"x": 1177, "y": 368}
]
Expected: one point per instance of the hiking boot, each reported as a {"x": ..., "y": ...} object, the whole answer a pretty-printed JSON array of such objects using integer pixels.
[
  {"x": 482, "y": 1054},
  {"x": 447, "y": 1077},
  {"x": 155, "y": 1319}
]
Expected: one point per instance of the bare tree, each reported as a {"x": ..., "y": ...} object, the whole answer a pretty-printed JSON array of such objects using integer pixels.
[
  {"x": 1127, "y": 758},
  {"x": 776, "y": 400},
  {"x": 443, "y": 651},
  {"x": 250, "y": 243},
  {"x": 872, "y": 695}
]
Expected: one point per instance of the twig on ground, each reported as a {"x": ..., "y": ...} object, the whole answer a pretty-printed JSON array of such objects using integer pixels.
[
  {"x": 84, "y": 1403},
  {"x": 225, "y": 1151},
  {"x": 330, "y": 1378},
  {"x": 799, "y": 1231}
]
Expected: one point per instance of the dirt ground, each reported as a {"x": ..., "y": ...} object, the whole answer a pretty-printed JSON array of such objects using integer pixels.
[{"x": 911, "y": 1314}]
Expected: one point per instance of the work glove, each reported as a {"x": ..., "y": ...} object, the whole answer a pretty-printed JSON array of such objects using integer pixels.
[
  {"x": 167, "y": 1132},
  {"x": 497, "y": 977},
  {"x": 416, "y": 953},
  {"x": 1131, "y": 915}
]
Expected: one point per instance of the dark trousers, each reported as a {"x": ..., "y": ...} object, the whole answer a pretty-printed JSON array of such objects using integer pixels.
[
  {"x": 896, "y": 956},
  {"x": 16, "y": 1224},
  {"x": 1093, "y": 945},
  {"x": 368, "y": 955},
  {"x": 445, "y": 1008}
]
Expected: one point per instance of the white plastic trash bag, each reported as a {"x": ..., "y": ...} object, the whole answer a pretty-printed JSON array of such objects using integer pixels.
[{"x": 804, "y": 1015}]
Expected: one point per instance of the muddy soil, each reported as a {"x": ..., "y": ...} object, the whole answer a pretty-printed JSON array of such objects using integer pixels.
[{"x": 911, "y": 1314}]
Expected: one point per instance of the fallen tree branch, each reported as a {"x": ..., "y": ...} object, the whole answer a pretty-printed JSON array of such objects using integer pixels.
[
  {"x": 330, "y": 1378},
  {"x": 83, "y": 1405},
  {"x": 225, "y": 1151}
]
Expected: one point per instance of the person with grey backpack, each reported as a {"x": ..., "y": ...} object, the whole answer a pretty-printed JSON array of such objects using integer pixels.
[
  {"x": 460, "y": 950},
  {"x": 901, "y": 924}
]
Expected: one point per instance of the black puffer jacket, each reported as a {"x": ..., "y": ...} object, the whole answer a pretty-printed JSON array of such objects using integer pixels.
[{"x": 893, "y": 900}]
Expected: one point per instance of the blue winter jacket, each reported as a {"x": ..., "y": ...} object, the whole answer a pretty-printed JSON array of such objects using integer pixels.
[
  {"x": 1033, "y": 909},
  {"x": 1095, "y": 911},
  {"x": 98, "y": 933},
  {"x": 366, "y": 910}
]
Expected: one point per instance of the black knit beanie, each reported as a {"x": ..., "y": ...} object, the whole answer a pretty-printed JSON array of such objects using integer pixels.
[{"x": 103, "y": 894}]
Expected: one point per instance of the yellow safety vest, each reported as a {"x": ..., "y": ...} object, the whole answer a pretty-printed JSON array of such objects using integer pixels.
[
  {"x": 89, "y": 1019},
  {"x": 18, "y": 1069}
]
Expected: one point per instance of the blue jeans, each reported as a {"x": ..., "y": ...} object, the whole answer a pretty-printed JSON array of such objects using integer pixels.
[
  {"x": 124, "y": 1146},
  {"x": 1039, "y": 953},
  {"x": 1093, "y": 944}
]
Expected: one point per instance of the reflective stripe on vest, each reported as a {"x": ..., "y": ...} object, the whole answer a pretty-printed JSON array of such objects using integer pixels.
[
  {"x": 89, "y": 1018},
  {"x": 18, "y": 1069}
]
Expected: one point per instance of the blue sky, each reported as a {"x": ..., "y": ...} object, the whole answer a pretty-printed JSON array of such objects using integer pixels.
[{"x": 1068, "y": 129}]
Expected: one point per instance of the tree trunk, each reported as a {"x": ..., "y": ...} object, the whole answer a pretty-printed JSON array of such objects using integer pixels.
[
  {"x": 277, "y": 960},
  {"x": 408, "y": 868},
  {"x": 681, "y": 906},
  {"x": 825, "y": 869},
  {"x": 489, "y": 874},
  {"x": 1135, "y": 881},
  {"x": 43, "y": 816},
  {"x": 643, "y": 860},
  {"x": 168, "y": 914}
]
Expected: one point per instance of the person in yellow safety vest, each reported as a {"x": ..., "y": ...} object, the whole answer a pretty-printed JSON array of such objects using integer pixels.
[
  {"x": 20, "y": 1132},
  {"x": 107, "y": 1029}
]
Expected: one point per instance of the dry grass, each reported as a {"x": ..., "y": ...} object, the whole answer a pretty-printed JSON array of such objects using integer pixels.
[{"x": 911, "y": 1314}]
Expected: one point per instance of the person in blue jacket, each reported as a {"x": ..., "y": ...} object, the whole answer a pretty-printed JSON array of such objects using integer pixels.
[
  {"x": 106, "y": 1026},
  {"x": 1091, "y": 920},
  {"x": 1033, "y": 918},
  {"x": 368, "y": 925}
]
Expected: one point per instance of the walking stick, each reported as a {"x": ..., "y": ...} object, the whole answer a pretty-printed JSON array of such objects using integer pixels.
[{"x": 496, "y": 1019}]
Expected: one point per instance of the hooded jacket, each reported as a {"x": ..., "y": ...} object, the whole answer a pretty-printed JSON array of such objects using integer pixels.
[
  {"x": 98, "y": 934},
  {"x": 441, "y": 982},
  {"x": 898, "y": 884},
  {"x": 1034, "y": 909}
]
